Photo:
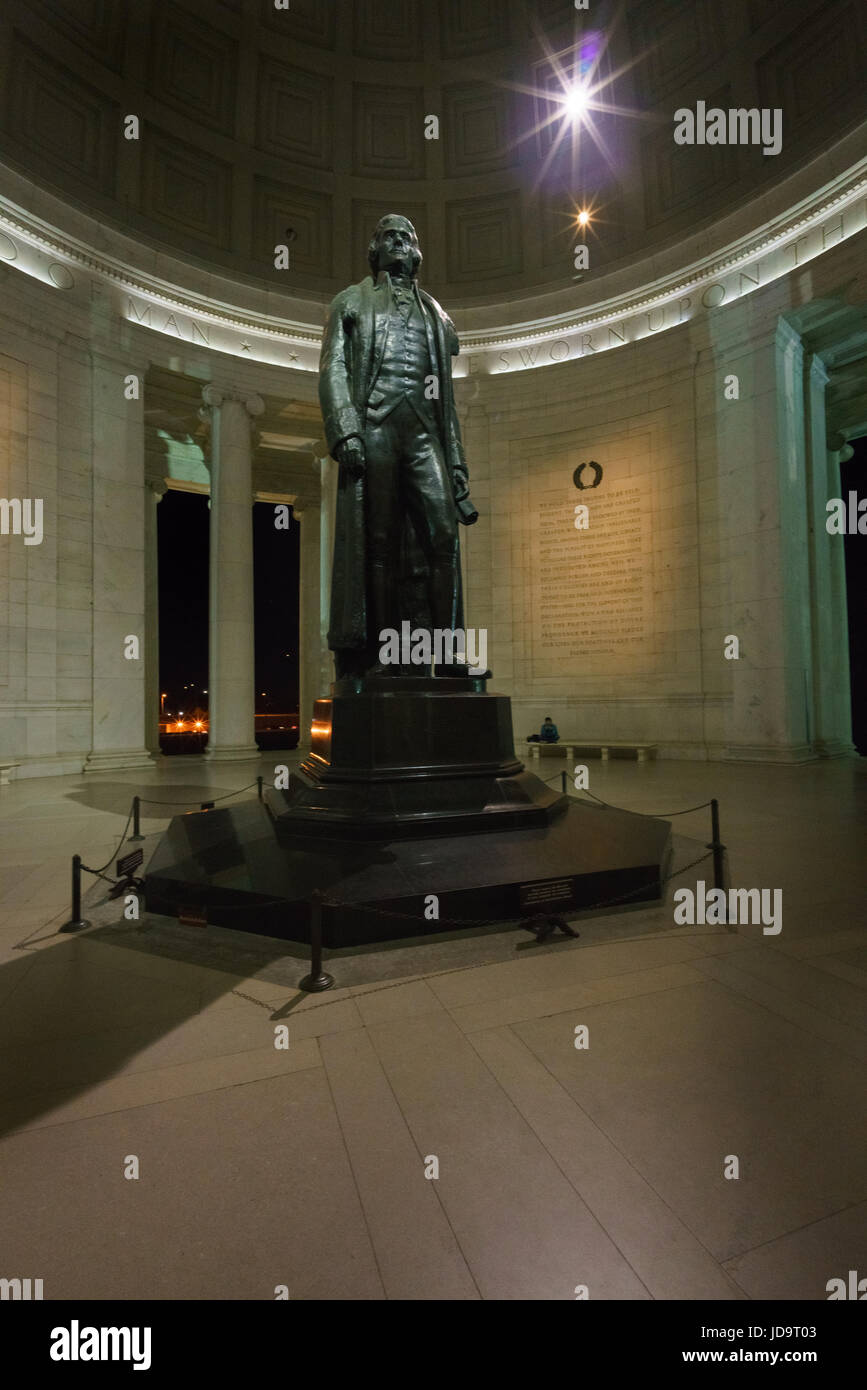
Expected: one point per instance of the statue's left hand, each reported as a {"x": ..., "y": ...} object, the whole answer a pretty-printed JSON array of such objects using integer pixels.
[{"x": 350, "y": 455}]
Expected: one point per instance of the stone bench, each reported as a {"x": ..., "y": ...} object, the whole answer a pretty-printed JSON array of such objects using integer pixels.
[
  {"x": 5, "y": 769},
  {"x": 569, "y": 747}
]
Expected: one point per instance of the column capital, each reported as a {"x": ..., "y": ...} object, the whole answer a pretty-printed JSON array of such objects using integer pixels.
[
  {"x": 788, "y": 339},
  {"x": 214, "y": 396},
  {"x": 158, "y": 486}
]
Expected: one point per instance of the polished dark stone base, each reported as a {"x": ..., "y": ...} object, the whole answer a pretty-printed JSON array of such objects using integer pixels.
[
  {"x": 236, "y": 869},
  {"x": 405, "y": 756}
]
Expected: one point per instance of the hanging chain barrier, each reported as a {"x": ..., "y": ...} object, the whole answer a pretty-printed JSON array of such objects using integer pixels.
[
  {"x": 150, "y": 801},
  {"x": 318, "y": 979},
  {"x": 654, "y": 815},
  {"x": 76, "y": 922}
]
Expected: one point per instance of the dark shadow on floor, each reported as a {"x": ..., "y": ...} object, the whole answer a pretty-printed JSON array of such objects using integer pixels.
[
  {"x": 86, "y": 987},
  {"x": 158, "y": 802}
]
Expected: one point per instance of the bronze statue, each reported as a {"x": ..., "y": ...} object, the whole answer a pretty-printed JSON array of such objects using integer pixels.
[{"x": 385, "y": 386}]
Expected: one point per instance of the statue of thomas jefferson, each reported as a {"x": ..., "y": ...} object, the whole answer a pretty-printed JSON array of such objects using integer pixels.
[{"x": 385, "y": 386}]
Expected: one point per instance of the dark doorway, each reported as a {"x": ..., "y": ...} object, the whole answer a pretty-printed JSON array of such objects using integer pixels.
[
  {"x": 183, "y": 540},
  {"x": 276, "y": 554},
  {"x": 853, "y": 478}
]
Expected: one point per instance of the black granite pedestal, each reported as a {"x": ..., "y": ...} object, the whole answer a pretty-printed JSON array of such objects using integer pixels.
[
  {"x": 231, "y": 868},
  {"x": 411, "y": 791},
  {"x": 412, "y": 756}
]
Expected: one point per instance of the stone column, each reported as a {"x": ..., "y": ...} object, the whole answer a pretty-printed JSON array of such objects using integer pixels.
[
  {"x": 119, "y": 502},
  {"x": 328, "y": 470},
  {"x": 309, "y": 619},
  {"x": 832, "y": 735},
  {"x": 155, "y": 491},
  {"x": 836, "y": 734},
  {"x": 764, "y": 520},
  {"x": 796, "y": 639},
  {"x": 231, "y": 668}
]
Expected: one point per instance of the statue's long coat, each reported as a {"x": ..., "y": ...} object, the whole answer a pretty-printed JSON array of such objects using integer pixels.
[{"x": 352, "y": 349}]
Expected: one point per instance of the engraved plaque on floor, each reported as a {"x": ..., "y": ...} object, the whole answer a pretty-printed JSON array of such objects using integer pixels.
[{"x": 549, "y": 892}]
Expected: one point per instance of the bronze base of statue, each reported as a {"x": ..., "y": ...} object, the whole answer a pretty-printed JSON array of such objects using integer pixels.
[{"x": 398, "y": 757}]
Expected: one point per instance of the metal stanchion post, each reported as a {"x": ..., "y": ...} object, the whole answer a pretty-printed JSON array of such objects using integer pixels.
[
  {"x": 717, "y": 846},
  {"x": 318, "y": 979},
  {"x": 563, "y": 783},
  {"x": 136, "y": 812},
  {"x": 259, "y": 781},
  {"x": 76, "y": 921}
]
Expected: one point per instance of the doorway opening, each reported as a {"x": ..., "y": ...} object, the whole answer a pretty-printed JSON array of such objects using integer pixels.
[
  {"x": 276, "y": 578},
  {"x": 183, "y": 543}
]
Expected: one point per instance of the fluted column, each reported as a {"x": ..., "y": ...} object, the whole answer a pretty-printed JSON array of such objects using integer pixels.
[
  {"x": 328, "y": 470},
  {"x": 308, "y": 619},
  {"x": 231, "y": 668},
  {"x": 118, "y": 735},
  {"x": 832, "y": 732},
  {"x": 155, "y": 490}
]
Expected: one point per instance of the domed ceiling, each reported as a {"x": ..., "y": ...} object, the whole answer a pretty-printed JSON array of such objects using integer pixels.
[{"x": 262, "y": 126}]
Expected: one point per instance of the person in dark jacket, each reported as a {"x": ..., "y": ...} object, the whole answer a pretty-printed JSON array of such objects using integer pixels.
[{"x": 548, "y": 732}]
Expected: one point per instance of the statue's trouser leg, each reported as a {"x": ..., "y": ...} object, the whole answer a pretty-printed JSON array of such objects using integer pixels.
[
  {"x": 430, "y": 500},
  {"x": 383, "y": 527}
]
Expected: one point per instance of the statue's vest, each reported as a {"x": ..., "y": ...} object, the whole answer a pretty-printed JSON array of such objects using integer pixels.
[{"x": 404, "y": 368}]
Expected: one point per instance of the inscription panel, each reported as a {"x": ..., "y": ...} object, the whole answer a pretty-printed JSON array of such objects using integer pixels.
[{"x": 592, "y": 590}]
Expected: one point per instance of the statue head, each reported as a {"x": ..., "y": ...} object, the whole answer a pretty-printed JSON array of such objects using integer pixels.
[{"x": 394, "y": 245}]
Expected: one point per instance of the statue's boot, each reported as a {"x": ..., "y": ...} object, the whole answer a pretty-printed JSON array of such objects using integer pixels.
[
  {"x": 443, "y": 590},
  {"x": 382, "y": 612},
  {"x": 443, "y": 605}
]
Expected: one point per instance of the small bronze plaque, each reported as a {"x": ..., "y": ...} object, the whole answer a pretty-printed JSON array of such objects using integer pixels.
[
  {"x": 129, "y": 862},
  {"x": 547, "y": 892},
  {"x": 192, "y": 916}
]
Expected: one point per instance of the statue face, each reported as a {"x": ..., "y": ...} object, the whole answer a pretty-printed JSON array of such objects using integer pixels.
[{"x": 395, "y": 244}]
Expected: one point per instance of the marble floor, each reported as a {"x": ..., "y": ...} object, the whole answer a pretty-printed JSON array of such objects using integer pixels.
[{"x": 152, "y": 1046}]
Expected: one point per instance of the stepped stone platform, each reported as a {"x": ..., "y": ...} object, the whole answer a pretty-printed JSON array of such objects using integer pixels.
[{"x": 411, "y": 790}]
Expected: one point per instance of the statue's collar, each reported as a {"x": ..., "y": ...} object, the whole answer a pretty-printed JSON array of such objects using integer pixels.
[{"x": 393, "y": 281}]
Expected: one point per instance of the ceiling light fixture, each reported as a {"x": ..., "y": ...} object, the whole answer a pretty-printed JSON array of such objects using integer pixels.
[{"x": 576, "y": 101}]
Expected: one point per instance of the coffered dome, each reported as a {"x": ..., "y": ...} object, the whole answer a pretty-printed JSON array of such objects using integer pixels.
[{"x": 304, "y": 125}]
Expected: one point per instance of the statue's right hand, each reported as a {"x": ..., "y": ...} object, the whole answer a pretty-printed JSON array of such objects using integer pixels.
[{"x": 350, "y": 455}]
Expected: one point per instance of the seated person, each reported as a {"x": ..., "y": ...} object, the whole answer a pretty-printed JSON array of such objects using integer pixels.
[{"x": 548, "y": 732}]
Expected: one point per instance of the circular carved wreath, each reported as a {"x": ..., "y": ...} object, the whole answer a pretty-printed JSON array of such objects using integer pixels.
[{"x": 597, "y": 475}]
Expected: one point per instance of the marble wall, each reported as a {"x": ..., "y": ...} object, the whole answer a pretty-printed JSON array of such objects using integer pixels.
[{"x": 731, "y": 498}]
